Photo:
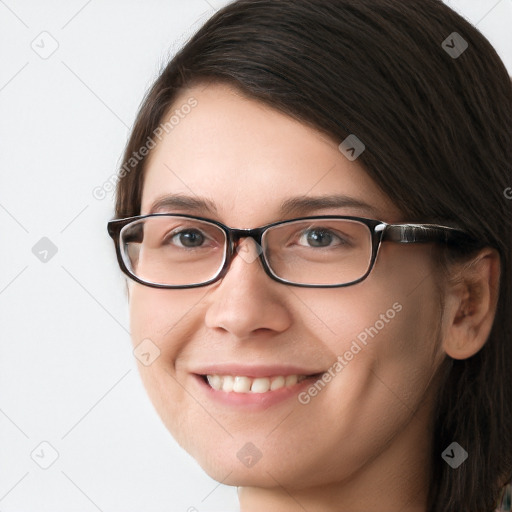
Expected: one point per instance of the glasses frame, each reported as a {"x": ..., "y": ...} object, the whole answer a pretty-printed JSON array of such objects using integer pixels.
[{"x": 380, "y": 231}]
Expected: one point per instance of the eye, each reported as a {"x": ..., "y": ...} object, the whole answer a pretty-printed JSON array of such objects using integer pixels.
[
  {"x": 320, "y": 237},
  {"x": 187, "y": 238}
]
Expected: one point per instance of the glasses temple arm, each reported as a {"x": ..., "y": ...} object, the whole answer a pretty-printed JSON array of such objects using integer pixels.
[{"x": 424, "y": 233}]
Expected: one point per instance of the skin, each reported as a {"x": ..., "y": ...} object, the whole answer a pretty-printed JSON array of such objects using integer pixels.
[{"x": 363, "y": 443}]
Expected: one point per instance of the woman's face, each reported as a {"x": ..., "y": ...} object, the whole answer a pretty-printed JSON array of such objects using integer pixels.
[{"x": 376, "y": 339}]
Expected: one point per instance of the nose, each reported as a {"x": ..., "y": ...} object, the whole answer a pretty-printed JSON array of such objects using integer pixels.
[{"x": 246, "y": 300}]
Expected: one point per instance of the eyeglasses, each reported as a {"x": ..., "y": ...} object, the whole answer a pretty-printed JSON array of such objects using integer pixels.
[{"x": 165, "y": 250}]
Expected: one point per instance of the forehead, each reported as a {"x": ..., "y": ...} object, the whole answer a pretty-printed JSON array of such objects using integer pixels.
[{"x": 245, "y": 158}]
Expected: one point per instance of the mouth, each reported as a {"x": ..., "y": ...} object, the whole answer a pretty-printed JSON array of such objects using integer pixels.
[{"x": 255, "y": 385}]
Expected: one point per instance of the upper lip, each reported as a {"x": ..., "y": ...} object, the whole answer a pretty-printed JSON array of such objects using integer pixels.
[{"x": 254, "y": 370}]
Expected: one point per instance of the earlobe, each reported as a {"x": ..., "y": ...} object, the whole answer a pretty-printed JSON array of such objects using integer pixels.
[{"x": 471, "y": 305}]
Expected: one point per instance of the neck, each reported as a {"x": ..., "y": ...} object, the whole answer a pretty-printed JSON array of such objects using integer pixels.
[{"x": 331, "y": 499}]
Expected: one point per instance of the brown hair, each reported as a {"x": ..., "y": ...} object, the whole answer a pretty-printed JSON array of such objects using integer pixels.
[{"x": 438, "y": 134}]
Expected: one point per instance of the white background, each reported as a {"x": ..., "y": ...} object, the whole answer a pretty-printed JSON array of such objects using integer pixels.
[{"x": 67, "y": 372}]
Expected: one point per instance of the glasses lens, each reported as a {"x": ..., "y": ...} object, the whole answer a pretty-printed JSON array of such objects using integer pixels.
[
  {"x": 319, "y": 251},
  {"x": 174, "y": 251}
]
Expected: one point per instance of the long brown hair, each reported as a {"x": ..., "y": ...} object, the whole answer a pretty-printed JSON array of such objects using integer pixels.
[{"x": 437, "y": 127}]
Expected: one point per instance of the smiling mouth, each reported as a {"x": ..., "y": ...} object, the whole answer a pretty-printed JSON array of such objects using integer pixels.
[{"x": 242, "y": 384}]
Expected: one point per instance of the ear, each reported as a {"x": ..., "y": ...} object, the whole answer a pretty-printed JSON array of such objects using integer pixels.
[{"x": 471, "y": 299}]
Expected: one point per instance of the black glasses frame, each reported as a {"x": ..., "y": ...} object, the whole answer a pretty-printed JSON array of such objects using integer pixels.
[{"x": 380, "y": 231}]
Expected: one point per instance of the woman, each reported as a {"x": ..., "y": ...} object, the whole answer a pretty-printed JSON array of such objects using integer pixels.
[{"x": 313, "y": 212}]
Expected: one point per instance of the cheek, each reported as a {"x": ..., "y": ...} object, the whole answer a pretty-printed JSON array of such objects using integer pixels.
[
  {"x": 402, "y": 351},
  {"x": 387, "y": 358},
  {"x": 155, "y": 314},
  {"x": 401, "y": 317},
  {"x": 386, "y": 344},
  {"x": 160, "y": 324},
  {"x": 161, "y": 321},
  {"x": 395, "y": 334}
]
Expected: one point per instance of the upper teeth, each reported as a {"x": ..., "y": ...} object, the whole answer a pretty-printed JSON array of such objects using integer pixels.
[{"x": 240, "y": 384}]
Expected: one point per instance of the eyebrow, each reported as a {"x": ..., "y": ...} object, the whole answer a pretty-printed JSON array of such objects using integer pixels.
[
  {"x": 183, "y": 202},
  {"x": 299, "y": 205}
]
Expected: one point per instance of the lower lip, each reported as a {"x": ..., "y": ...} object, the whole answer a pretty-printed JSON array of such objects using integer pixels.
[{"x": 254, "y": 400}]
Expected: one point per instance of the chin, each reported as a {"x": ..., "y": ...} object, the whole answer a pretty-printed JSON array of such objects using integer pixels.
[
  {"x": 231, "y": 465},
  {"x": 237, "y": 475}
]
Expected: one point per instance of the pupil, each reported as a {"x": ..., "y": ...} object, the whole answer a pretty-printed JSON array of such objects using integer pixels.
[
  {"x": 191, "y": 238},
  {"x": 319, "y": 238}
]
